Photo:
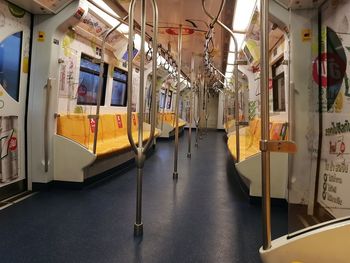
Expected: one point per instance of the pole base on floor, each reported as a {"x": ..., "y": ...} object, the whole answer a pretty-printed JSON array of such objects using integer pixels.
[
  {"x": 188, "y": 155},
  {"x": 138, "y": 230},
  {"x": 175, "y": 175}
]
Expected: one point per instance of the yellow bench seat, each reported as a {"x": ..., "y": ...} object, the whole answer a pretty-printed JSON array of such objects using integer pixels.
[
  {"x": 169, "y": 118},
  {"x": 112, "y": 135},
  {"x": 250, "y": 138}
]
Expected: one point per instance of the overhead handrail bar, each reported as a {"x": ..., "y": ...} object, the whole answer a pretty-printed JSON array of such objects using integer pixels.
[
  {"x": 216, "y": 20},
  {"x": 140, "y": 149},
  {"x": 119, "y": 19},
  {"x": 100, "y": 83}
]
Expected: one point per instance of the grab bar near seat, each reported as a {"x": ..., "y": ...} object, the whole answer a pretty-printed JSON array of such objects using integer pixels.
[{"x": 140, "y": 149}]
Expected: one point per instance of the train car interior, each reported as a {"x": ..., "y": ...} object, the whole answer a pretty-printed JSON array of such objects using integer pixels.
[{"x": 174, "y": 131}]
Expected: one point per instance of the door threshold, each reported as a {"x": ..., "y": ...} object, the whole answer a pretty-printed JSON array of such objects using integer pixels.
[{"x": 15, "y": 199}]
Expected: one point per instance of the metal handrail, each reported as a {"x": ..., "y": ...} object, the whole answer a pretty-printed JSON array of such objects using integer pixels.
[
  {"x": 197, "y": 117},
  {"x": 48, "y": 87},
  {"x": 163, "y": 110},
  {"x": 100, "y": 83},
  {"x": 206, "y": 110},
  {"x": 176, "y": 148},
  {"x": 216, "y": 20},
  {"x": 191, "y": 101},
  {"x": 265, "y": 116},
  {"x": 139, "y": 149}
]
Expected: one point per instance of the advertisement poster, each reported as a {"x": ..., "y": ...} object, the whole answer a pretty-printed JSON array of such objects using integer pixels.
[
  {"x": 9, "y": 149},
  {"x": 334, "y": 177}
]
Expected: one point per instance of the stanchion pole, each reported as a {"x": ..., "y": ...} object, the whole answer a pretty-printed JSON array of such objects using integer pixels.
[
  {"x": 176, "y": 150},
  {"x": 140, "y": 149},
  {"x": 265, "y": 116},
  {"x": 191, "y": 101}
]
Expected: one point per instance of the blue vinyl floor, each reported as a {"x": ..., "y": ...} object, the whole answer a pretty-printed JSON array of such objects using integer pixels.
[{"x": 203, "y": 217}]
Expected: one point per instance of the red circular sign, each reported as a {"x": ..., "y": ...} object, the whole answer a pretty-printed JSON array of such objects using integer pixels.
[
  {"x": 342, "y": 147},
  {"x": 336, "y": 67},
  {"x": 13, "y": 144},
  {"x": 82, "y": 90},
  {"x": 175, "y": 31}
]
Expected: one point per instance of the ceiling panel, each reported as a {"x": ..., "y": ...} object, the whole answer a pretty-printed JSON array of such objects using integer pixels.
[
  {"x": 303, "y": 4},
  {"x": 42, "y": 6},
  {"x": 190, "y": 15}
]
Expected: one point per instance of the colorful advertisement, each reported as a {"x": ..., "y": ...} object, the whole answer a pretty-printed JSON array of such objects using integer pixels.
[
  {"x": 9, "y": 149},
  {"x": 333, "y": 67}
]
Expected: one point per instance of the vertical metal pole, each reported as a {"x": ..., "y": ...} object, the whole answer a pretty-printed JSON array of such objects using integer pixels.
[
  {"x": 265, "y": 160},
  {"x": 206, "y": 110},
  {"x": 215, "y": 20},
  {"x": 191, "y": 101},
  {"x": 100, "y": 83},
  {"x": 195, "y": 111},
  {"x": 141, "y": 149},
  {"x": 237, "y": 108},
  {"x": 48, "y": 87},
  {"x": 98, "y": 99},
  {"x": 179, "y": 50},
  {"x": 163, "y": 111},
  {"x": 138, "y": 227},
  {"x": 200, "y": 108}
]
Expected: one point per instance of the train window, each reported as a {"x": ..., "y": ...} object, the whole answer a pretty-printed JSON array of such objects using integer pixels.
[
  {"x": 170, "y": 94},
  {"x": 88, "y": 81},
  {"x": 119, "y": 88},
  {"x": 278, "y": 87},
  {"x": 162, "y": 99},
  {"x": 10, "y": 64}
]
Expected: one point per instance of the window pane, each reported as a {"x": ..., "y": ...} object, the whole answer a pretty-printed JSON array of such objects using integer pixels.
[
  {"x": 170, "y": 94},
  {"x": 120, "y": 75},
  {"x": 88, "y": 81},
  {"x": 10, "y": 64},
  {"x": 162, "y": 100},
  {"x": 88, "y": 86},
  {"x": 86, "y": 62},
  {"x": 118, "y": 94}
]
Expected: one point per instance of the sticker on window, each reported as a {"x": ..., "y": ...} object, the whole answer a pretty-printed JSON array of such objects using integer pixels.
[
  {"x": 92, "y": 125},
  {"x": 119, "y": 121},
  {"x": 134, "y": 119}
]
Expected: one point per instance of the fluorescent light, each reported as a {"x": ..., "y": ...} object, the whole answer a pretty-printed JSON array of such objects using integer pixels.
[
  {"x": 124, "y": 29},
  {"x": 101, "y": 4},
  {"x": 243, "y": 14},
  {"x": 228, "y": 75},
  {"x": 137, "y": 42},
  {"x": 231, "y": 58},
  {"x": 161, "y": 60},
  {"x": 240, "y": 39},
  {"x": 229, "y": 68}
]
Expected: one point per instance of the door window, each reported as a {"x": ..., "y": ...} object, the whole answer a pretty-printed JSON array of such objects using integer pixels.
[{"x": 10, "y": 64}]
